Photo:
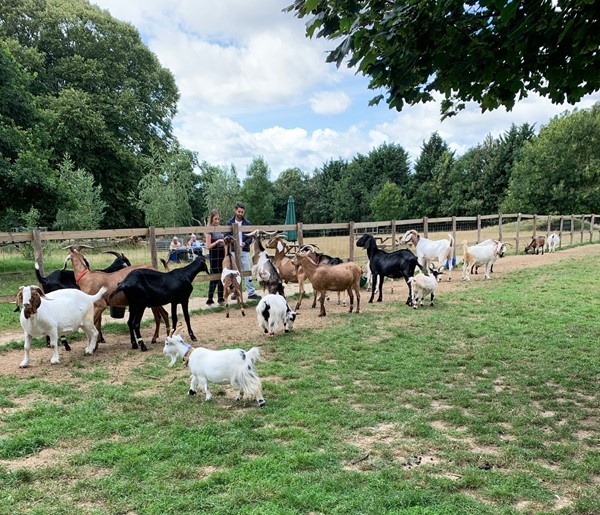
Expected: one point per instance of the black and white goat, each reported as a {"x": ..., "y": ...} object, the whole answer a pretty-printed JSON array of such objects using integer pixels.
[
  {"x": 55, "y": 314},
  {"x": 273, "y": 312},
  {"x": 398, "y": 264},
  {"x": 227, "y": 366},
  {"x": 265, "y": 271},
  {"x": 147, "y": 288}
]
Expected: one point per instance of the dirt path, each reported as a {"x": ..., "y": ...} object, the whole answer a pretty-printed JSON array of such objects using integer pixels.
[{"x": 214, "y": 330}]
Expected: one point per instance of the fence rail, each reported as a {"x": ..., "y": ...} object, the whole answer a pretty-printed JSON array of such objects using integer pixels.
[{"x": 511, "y": 228}]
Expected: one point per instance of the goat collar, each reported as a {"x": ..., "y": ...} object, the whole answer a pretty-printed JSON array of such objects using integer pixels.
[
  {"x": 80, "y": 276},
  {"x": 186, "y": 356}
]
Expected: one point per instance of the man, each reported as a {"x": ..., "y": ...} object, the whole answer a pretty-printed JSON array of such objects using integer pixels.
[{"x": 245, "y": 242}]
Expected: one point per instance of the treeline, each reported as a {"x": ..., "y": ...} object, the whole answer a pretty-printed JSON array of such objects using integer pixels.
[{"x": 86, "y": 142}]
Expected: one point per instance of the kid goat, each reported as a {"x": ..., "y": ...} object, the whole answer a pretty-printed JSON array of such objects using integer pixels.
[
  {"x": 227, "y": 366},
  {"x": 272, "y": 312},
  {"x": 423, "y": 285},
  {"x": 55, "y": 314},
  {"x": 231, "y": 277}
]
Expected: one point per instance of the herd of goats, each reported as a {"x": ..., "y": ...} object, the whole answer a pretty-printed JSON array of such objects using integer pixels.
[{"x": 67, "y": 301}]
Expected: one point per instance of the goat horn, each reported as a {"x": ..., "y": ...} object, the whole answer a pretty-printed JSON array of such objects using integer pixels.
[
  {"x": 67, "y": 259},
  {"x": 178, "y": 330},
  {"x": 116, "y": 254}
]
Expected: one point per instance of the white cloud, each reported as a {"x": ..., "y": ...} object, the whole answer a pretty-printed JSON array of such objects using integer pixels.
[{"x": 330, "y": 102}]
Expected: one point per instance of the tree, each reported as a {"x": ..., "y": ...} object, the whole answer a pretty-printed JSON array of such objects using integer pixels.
[
  {"x": 257, "y": 193},
  {"x": 294, "y": 182},
  {"x": 222, "y": 188},
  {"x": 390, "y": 203},
  {"x": 559, "y": 171},
  {"x": 82, "y": 207},
  {"x": 321, "y": 191},
  {"x": 490, "y": 52}
]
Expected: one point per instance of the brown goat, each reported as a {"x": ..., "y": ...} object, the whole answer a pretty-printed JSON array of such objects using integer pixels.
[
  {"x": 290, "y": 273},
  {"x": 345, "y": 276},
  {"x": 231, "y": 277},
  {"x": 90, "y": 281},
  {"x": 537, "y": 243}
]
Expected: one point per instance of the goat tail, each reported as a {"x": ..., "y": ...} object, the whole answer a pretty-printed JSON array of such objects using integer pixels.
[
  {"x": 245, "y": 377},
  {"x": 253, "y": 354},
  {"x": 451, "y": 240},
  {"x": 98, "y": 295},
  {"x": 118, "y": 289}
]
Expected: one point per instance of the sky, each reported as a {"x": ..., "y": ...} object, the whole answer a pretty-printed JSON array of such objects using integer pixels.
[{"x": 253, "y": 85}]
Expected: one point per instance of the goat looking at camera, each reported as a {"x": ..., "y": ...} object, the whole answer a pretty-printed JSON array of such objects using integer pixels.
[{"x": 231, "y": 277}]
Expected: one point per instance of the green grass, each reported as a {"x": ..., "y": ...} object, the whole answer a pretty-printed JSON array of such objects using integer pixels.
[{"x": 487, "y": 403}]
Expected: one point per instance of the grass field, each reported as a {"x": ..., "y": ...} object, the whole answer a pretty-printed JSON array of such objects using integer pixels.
[{"x": 486, "y": 404}]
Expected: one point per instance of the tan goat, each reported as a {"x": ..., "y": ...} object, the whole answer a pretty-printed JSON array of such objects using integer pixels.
[
  {"x": 231, "y": 277},
  {"x": 290, "y": 273},
  {"x": 342, "y": 277}
]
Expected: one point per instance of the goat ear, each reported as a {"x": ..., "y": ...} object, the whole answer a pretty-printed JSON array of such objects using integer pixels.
[{"x": 19, "y": 299}]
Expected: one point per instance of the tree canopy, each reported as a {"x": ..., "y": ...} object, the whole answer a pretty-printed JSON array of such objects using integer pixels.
[{"x": 492, "y": 52}]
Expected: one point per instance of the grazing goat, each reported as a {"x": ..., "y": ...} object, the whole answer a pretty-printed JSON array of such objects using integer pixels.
[
  {"x": 483, "y": 254},
  {"x": 401, "y": 263},
  {"x": 289, "y": 272},
  {"x": 345, "y": 276},
  {"x": 265, "y": 271},
  {"x": 552, "y": 242},
  {"x": 227, "y": 366},
  {"x": 91, "y": 280},
  {"x": 537, "y": 243},
  {"x": 55, "y": 314},
  {"x": 423, "y": 285},
  {"x": 428, "y": 250},
  {"x": 147, "y": 288},
  {"x": 61, "y": 279},
  {"x": 272, "y": 312},
  {"x": 231, "y": 277}
]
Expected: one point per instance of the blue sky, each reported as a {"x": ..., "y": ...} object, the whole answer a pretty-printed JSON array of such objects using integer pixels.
[{"x": 252, "y": 84}]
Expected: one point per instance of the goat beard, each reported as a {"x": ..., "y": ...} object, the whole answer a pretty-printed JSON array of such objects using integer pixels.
[{"x": 28, "y": 311}]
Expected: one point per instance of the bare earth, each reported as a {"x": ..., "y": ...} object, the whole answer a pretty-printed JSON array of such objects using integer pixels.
[{"x": 215, "y": 331}]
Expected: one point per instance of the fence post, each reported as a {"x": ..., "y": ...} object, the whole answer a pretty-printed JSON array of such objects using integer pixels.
[
  {"x": 560, "y": 231},
  {"x": 300, "y": 234},
  {"x": 592, "y": 222},
  {"x": 500, "y": 226},
  {"x": 425, "y": 227},
  {"x": 534, "y": 225},
  {"x": 454, "y": 237},
  {"x": 549, "y": 224},
  {"x": 478, "y": 228},
  {"x": 351, "y": 241},
  {"x": 393, "y": 235},
  {"x": 235, "y": 229},
  {"x": 37, "y": 249},
  {"x": 517, "y": 235},
  {"x": 152, "y": 243},
  {"x": 572, "y": 229},
  {"x": 581, "y": 228}
]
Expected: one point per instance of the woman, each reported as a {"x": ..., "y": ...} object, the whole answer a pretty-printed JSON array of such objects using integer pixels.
[{"x": 216, "y": 253}]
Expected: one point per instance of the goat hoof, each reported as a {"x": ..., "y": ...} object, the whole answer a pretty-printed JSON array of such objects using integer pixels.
[
  {"x": 193, "y": 337},
  {"x": 67, "y": 347},
  {"x": 191, "y": 392},
  {"x": 134, "y": 346},
  {"x": 261, "y": 403},
  {"x": 144, "y": 349},
  {"x": 243, "y": 314}
]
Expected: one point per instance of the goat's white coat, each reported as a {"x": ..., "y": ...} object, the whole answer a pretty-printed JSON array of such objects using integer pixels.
[
  {"x": 483, "y": 254},
  {"x": 227, "y": 366},
  {"x": 552, "y": 242},
  {"x": 61, "y": 312},
  {"x": 427, "y": 250},
  {"x": 422, "y": 285},
  {"x": 228, "y": 271},
  {"x": 280, "y": 314}
]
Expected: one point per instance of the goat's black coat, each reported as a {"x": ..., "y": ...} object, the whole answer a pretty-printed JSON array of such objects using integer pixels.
[
  {"x": 146, "y": 288},
  {"x": 401, "y": 263}
]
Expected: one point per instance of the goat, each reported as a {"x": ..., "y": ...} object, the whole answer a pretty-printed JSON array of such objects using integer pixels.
[
  {"x": 227, "y": 366},
  {"x": 537, "y": 243},
  {"x": 397, "y": 264},
  {"x": 345, "y": 276},
  {"x": 265, "y": 271},
  {"x": 428, "y": 250},
  {"x": 483, "y": 254},
  {"x": 91, "y": 280},
  {"x": 55, "y": 314},
  {"x": 423, "y": 285},
  {"x": 147, "y": 288},
  {"x": 552, "y": 242},
  {"x": 231, "y": 277},
  {"x": 289, "y": 272},
  {"x": 61, "y": 279},
  {"x": 273, "y": 311}
]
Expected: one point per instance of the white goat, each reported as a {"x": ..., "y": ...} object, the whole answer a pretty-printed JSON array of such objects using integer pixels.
[
  {"x": 552, "y": 242},
  {"x": 272, "y": 312},
  {"x": 227, "y": 366},
  {"x": 428, "y": 250},
  {"x": 55, "y": 314},
  {"x": 482, "y": 254},
  {"x": 423, "y": 285}
]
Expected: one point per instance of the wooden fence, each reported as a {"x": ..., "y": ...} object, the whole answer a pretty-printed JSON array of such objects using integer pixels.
[{"x": 514, "y": 229}]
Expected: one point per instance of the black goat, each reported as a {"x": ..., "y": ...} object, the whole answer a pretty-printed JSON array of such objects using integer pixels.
[
  {"x": 146, "y": 288},
  {"x": 401, "y": 263},
  {"x": 62, "y": 279}
]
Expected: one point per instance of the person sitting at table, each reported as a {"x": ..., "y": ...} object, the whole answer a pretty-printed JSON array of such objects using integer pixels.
[
  {"x": 194, "y": 245},
  {"x": 175, "y": 244}
]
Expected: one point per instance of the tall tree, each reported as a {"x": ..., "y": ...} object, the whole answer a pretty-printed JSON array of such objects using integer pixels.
[
  {"x": 321, "y": 191},
  {"x": 490, "y": 52},
  {"x": 257, "y": 193},
  {"x": 559, "y": 171},
  {"x": 222, "y": 188},
  {"x": 291, "y": 182}
]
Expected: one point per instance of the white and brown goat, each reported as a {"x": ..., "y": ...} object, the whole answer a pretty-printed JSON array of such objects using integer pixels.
[{"x": 231, "y": 277}]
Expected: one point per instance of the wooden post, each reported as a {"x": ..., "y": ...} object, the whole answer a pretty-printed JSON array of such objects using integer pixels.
[
  {"x": 560, "y": 230},
  {"x": 500, "y": 226},
  {"x": 534, "y": 225},
  {"x": 478, "y": 228},
  {"x": 235, "y": 228},
  {"x": 425, "y": 227},
  {"x": 152, "y": 243},
  {"x": 454, "y": 237},
  {"x": 351, "y": 241},
  {"x": 581, "y": 228},
  {"x": 299, "y": 230},
  {"x": 549, "y": 224},
  {"x": 517, "y": 235},
  {"x": 393, "y": 235},
  {"x": 572, "y": 229},
  {"x": 592, "y": 223},
  {"x": 37, "y": 250}
]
